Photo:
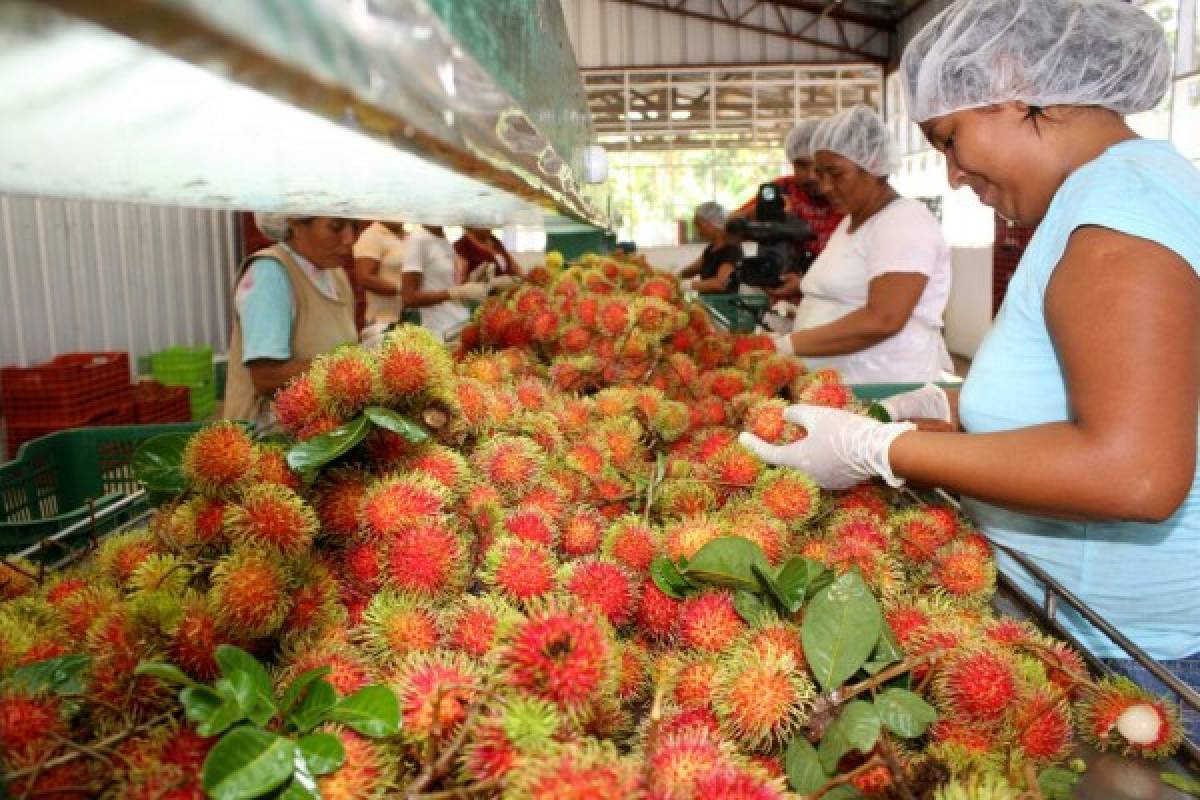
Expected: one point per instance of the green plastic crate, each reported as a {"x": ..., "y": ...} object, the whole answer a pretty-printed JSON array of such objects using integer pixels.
[
  {"x": 737, "y": 313},
  {"x": 202, "y": 400},
  {"x": 48, "y": 485},
  {"x": 183, "y": 366}
]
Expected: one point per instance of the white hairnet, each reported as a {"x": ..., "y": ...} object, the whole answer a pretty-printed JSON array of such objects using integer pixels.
[
  {"x": 859, "y": 135},
  {"x": 1044, "y": 52},
  {"x": 712, "y": 213},
  {"x": 796, "y": 145},
  {"x": 273, "y": 226}
]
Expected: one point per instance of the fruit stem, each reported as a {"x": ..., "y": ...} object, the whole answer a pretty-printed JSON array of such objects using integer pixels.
[{"x": 847, "y": 777}]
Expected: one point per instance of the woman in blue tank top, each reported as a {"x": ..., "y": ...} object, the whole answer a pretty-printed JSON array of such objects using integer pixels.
[{"x": 1080, "y": 410}]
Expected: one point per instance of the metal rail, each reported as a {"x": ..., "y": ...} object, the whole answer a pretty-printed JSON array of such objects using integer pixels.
[
  {"x": 1054, "y": 591},
  {"x": 85, "y": 526}
]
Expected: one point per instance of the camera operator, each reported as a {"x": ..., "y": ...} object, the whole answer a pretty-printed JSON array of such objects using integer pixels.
[
  {"x": 873, "y": 300},
  {"x": 715, "y": 271},
  {"x": 803, "y": 198}
]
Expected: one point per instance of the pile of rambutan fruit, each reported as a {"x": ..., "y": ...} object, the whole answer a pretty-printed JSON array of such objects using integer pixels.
[{"x": 540, "y": 566}]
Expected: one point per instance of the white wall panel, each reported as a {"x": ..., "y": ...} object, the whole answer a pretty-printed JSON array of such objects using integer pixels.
[
  {"x": 610, "y": 34},
  {"x": 80, "y": 275}
]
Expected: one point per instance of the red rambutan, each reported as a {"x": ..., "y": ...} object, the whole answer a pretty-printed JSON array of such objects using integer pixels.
[
  {"x": 274, "y": 517},
  {"x": 219, "y": 457}
]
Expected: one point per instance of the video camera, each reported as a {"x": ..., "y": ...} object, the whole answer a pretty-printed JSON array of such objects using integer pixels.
[{"x": 779, "y": 236}]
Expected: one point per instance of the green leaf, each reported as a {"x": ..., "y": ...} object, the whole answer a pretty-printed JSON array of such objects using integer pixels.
[
  {"x": 297, "y": 687},
  {"x": 1057, "y": 783},
  {"x": 304, "y": 782},
  {"x": 841, "y": 627},
  {"x": 213, "y": 712},
  {"x": 843, "y": 792},
  {"x": 372, "y": 711},
  {"x": 667, "y": 578},
  {"x": 295, "y": 791},
  {"x": 246, "y": 763},
  {"x": 856, "y": 728},
  {"x": 60, "y": 675},
  {"x": 876, "y": 411},
  {"x": 396, "y": 423},
  {"x": 804, "y": 771},
  {"x": 904, "y": 713},
  {"x": 887, "y": 651},
  {"x": 157, "y": 463},
  {"x": 750, "y": 606},
  {"x": 727, "y": 561},
  {"x": 250, "y": 682},
  {"x": 314, "y": 707},
  {"x": 167, "y": 673},
  {"x": 1180, "y": 782},
  {"x": 323, "y": 752},
  {"x": 794, "y": 580},
  {"x": 307, "y": 457}
]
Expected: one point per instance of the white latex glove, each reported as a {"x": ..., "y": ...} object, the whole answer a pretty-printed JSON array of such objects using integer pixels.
[
  {"x": 928, "y": 402},
  {"x": 482, "y": 273},
  {"x": 469, "y": 291},
  {"x": 841, "y": 449},
  {"x": 783, "y": 345},
  {"x": 501, "y": 282}
]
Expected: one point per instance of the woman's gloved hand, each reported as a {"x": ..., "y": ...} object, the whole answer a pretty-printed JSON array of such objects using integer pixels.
[
  {"x": 482, "y": 273},
  {"x": 501, "y": 282},
  {"x": 476, "y": 292},
  {"x": 841, "y": 449},
  {"x": 783, "y": 345},
  {"x": 928, "y": 402}
]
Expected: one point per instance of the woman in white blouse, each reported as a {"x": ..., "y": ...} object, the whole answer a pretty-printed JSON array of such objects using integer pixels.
[{"x": 873, "y": 300}]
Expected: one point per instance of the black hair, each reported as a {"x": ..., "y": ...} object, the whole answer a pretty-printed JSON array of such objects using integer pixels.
[{"x": 1034, "y": 115}]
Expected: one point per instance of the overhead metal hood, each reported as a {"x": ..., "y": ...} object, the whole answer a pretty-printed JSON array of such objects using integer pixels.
[{"x": 439, "y": 111}]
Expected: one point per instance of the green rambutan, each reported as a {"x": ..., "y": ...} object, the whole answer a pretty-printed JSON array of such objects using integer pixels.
[
  {"x": 564, "y": 653},
  {"x": 520, "y": 571},
  {"x": 435, "y": 690},
  {"x": 964, "y": 745},
  {"x": 709, "y": 622},
  {"x": 430, "y": 558},
  {"x": 397, "y": 502},
  {"x": 296, "y": 404},
  {"x": 787, "y": 495},
  {"x": 604, "y": 585},
  {"x": 81, "y": 609},
  {"x": 1117, "y": 714},
  {"x": 512, "y": 464},
  {"x": 250, "y": 593},
  {"x": 978, "y": 786},
  {"x": 622, "y": 437},
  {"x": 632, "y": 543},
  {"x": 160, "y": 572},
  {"x": 761, "y": 696},
  {"x": 396, "y": 624},
  {"x": 978, "y": 684},
  {"x": 120, "y": 554},
  {"x": 345, "y": 380},
  {"x": 273, "y": 517},
  {"x": 219, "y": 457},
  {"x": 476, "y": 625},
  {"x": 518, "y": 726}
]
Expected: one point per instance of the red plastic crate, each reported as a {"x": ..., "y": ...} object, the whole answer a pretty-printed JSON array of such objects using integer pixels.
[
  {"x": 72, "y": 387},
  {"x": 155, "y": 403},
  {"x": 19, "y": 433}
]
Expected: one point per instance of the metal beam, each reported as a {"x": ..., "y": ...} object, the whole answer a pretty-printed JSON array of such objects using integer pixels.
[
  {"x": 665, "y": 7},
  {"x": 812, "y": 7}
]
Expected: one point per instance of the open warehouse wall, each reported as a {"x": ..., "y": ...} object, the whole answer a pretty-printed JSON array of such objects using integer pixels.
[{"x": 80, "y": 275}]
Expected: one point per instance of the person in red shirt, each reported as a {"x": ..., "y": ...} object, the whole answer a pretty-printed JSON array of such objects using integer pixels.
[
  {"x": 479, "y": 246},
  {"x": 802, "y": 197}
]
